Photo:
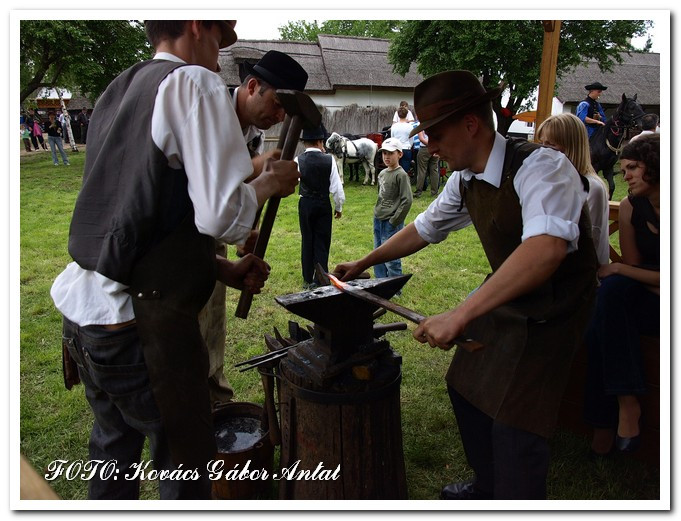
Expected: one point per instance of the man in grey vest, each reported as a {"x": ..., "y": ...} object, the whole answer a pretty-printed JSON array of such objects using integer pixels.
[
  {"x": 526, "y": 203},
  {"x": 257, "y": 107},
  {"x": 164, "y": 177}
]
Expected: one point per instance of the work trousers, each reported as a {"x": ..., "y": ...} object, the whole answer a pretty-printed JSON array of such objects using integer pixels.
[
  {"x": 111, "y": 366},
  {"x": 625, "y": 310},
  {"x": 315, "y": 218},
  {"x": 426, "y": 165},
  {"x": 509, "y": 463}
]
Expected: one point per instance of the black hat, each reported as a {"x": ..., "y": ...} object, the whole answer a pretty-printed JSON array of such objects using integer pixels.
[
  {"x": 279, "y": 70},
  {"x": 315, "y": 133},
  {"x": 595, "y": 86}
]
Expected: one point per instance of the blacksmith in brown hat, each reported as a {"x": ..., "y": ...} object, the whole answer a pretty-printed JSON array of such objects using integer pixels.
[
  {"x": 164, "y": 176},
  {"x": 257, "y": 107},
  {"x": 526, "y": 204},
  {"x": 590, "y": 111}
]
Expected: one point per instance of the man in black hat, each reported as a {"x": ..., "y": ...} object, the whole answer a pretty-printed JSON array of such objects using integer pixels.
[
  {"x": 257, "y": 108},
  {"x": 318, "y": 177},
  {"x": 526, "y": 202},
  {"x": 255, "y": 100},
  {"x": 142, "y": 239},
  {"x": 590, "y": 111}
]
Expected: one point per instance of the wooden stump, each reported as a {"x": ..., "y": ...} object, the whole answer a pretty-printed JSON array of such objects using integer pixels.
[{"x": 359, "y": 433}]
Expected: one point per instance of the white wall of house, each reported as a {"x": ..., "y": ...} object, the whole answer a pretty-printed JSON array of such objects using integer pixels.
[
  {"x": 521, "y": 127},
  {"x": 363, "y": 98}
]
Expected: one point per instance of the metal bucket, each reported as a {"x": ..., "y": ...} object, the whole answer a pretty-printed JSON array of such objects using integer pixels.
[{"x": 243, "y": 446}]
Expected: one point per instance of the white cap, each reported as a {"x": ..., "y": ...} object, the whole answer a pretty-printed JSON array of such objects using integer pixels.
[{"x": 391, "y": 144}]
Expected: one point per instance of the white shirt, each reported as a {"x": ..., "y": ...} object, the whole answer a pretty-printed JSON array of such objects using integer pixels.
[
  {"x": 194, "y": 124},
  {"x": 643, "y": 133},
  {"x": 335, "y": 186},
  {"x": 548, "y": 187},
  {"x": 599, "y": 211},
  {"x": 401, "y": 131},
  {"x": 410, "y": 116}
]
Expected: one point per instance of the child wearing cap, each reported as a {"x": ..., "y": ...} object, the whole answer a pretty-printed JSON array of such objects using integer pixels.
[{"x": 393, "y": 204}]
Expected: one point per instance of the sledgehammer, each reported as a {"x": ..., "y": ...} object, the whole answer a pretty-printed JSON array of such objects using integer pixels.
[{"x": 300, "y": 112}]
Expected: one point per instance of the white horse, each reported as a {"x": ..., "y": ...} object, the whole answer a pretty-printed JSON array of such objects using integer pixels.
[{"x": 361, "y": 150}]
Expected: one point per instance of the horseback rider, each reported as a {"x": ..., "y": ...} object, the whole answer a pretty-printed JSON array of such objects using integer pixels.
[{"x": 590, "y": 111}]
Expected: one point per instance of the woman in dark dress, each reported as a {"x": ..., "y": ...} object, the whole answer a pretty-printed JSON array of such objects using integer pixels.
[{"x": 628, "y": 306}]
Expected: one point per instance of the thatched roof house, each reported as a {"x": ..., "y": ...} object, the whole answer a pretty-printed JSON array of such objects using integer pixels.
[
  {"x": 639, "y": 73},
  {"x": 342, "y": 69}
]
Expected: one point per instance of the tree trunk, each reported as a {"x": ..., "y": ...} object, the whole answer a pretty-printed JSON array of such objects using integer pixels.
[
  {"x": 503, "y": 124},
  {"x": 67, "y": 118}
]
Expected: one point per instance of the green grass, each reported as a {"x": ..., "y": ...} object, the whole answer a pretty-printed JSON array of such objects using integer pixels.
[{"x": 55, "y": 423}]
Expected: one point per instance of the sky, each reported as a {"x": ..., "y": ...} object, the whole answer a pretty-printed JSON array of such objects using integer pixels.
[{"x": 265, "y": 25}]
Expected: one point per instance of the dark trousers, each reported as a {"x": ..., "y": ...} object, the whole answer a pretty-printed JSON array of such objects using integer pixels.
[
  {"x": 625, "y": 309},
  {"x": 405, "y": 160},
  {"x": 83, "y": 134},
  {"x": 111, "y": 366},
  {"x": 509, "y": 463},
  {"x": 315, "y": 219}
]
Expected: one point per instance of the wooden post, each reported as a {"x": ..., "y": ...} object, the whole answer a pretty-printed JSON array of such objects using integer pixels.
[{"x": 547, "y": 75}]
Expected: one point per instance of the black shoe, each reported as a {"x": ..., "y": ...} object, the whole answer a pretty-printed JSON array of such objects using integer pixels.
[
  {"x": 627, "y": 444},
  {"x": 465, "y": 490}
]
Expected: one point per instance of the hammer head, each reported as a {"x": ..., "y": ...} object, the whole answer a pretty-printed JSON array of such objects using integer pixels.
[{"x": 296, "y": 103}]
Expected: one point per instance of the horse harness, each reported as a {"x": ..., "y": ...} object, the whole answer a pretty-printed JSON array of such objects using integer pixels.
[
  {"x": 344, "y": 150},
  {"x": 621, "y": 131}
]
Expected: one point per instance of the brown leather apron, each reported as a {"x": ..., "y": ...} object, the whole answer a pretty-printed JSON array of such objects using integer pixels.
[
  {"x": 520, "y": 376},
  {"x": 170, "y": 285}
]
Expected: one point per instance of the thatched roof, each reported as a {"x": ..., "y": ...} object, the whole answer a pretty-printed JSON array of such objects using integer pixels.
[
  {"x": 639, "y": 73},
  {"x": 334, "y": 61},
  {"x": 308, "y": 54},
  {"x": 363, "y": 62}
]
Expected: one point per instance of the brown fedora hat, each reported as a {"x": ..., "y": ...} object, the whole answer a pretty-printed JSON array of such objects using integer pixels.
[
  {"x": 447, "y": 93},
  {"x": 228, "y": 34}
]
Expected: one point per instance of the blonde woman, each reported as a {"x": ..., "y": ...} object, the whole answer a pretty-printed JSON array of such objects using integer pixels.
[{"x": 565, "y": 132}]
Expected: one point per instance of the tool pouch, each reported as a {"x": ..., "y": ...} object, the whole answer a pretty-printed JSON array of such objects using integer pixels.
[{"x": 69, "y": 366}]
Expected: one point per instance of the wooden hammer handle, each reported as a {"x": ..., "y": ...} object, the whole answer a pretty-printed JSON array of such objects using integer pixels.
[{"x": 288, "y": 150}]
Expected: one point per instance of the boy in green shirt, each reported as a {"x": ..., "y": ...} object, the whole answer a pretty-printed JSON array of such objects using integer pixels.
[{"x": 393, "y": 204}]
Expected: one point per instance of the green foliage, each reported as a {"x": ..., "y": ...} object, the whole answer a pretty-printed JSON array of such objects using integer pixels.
[
  {"x": 55, "y": 423},
  {"x": 308, "y": 31},
  {"x": 508, "y": 51},
  {"x": 78, "y": 54}
]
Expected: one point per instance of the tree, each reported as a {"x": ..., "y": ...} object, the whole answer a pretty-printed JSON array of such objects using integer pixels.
[
  {"x": 78, "y": 54},
  {"x": 508, "y": 51},
  {"x": 308, "y": 31}
]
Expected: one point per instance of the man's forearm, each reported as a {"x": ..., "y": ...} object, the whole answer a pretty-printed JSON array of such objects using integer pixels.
[{"x": 530, "y": 265}]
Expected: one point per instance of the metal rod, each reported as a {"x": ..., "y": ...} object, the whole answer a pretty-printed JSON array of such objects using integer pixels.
[
  {"x": 466, "y": 343},
  {"x": 275, "y": 355}
]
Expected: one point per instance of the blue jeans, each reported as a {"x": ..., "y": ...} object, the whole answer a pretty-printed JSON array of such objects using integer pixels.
[
  {"x": 112, "y": 369},
  {"x": 55, "y": 141},
  {"x": 383, "y": 230}
]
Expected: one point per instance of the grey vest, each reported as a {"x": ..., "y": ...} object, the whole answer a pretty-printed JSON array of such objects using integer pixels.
[{"x": 130, "y": 198}]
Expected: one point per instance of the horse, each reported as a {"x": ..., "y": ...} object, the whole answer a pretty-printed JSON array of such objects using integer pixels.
[
  {"x": 348, "y": 151},
  {"x": 606, "y": 142}
]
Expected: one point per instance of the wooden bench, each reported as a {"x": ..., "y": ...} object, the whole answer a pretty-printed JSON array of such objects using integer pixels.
[{"x": 571, "y": 416}]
